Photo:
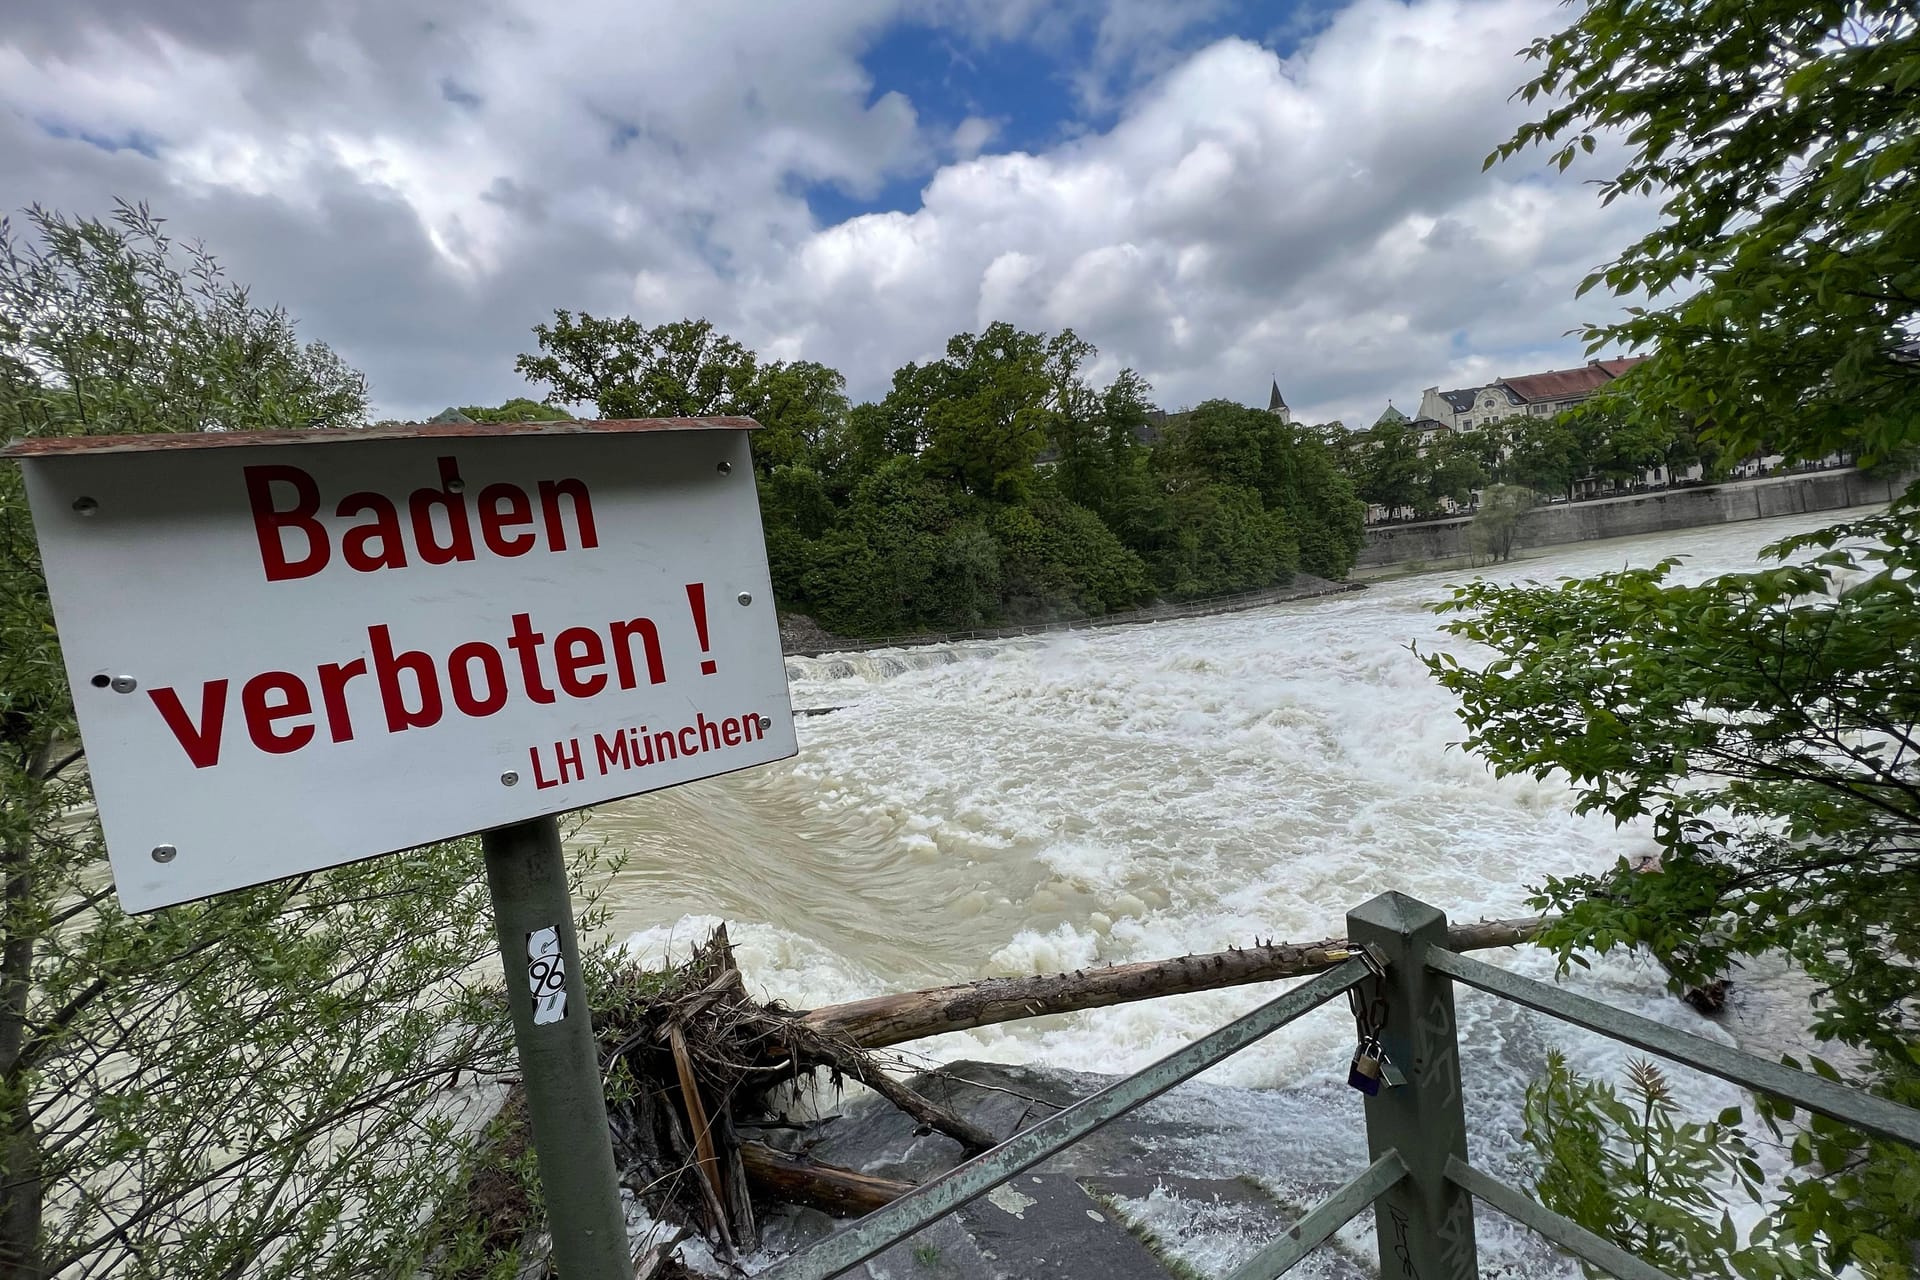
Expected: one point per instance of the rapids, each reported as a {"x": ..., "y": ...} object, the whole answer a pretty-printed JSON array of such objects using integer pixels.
[{"x": 1103, "y": 796}]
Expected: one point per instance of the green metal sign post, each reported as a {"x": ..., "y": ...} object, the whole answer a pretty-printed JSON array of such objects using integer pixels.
[{"x": 559, "y": 1057}]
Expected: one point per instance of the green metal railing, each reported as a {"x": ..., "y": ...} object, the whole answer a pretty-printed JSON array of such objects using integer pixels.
[{"x": 1420, "y": 1180}]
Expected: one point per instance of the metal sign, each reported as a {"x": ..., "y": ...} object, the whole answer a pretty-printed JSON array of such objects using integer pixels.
[{"x": 294, "y": 650}]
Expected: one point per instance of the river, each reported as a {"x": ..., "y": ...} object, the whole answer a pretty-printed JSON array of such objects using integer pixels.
[{"x": 1139, "y": 792}]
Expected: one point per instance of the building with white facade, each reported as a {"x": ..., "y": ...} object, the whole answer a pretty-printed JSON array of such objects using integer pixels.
[{"x": 1533, "y": 395}]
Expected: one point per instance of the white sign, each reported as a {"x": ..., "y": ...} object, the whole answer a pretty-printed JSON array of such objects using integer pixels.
[{"x": 292, "y": 655}]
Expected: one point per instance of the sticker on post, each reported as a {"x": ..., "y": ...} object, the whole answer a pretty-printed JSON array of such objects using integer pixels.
[{"x": 546, "y": 976}]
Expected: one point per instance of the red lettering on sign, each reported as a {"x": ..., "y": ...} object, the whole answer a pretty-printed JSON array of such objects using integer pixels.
[
  {"x": 623, "y": 634},
  {"x": 200, "y": 741},
  {"x": 269, "y": 521},
  {"x": 577, "y": 655},
  {"x": 611, "y": 750},
  {"x": 494, "y": 521},
  {"x": 526, "y": 642},
  {"x": 333, "y": 695},
  {"x": 283, "y": 711},
  {"x": 387, "y": 666},
  {"x": 460, "y": 678},
  {"x": 295, "y": 542},
  {"x": 421, "y": 506},
  {"x": 357, "y": 543},
  {"x": 551, "y": 491},
  {"x": 260, "y": 714}
]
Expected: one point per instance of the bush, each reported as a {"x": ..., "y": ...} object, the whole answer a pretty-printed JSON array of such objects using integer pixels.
[
  {"x": 1223, "y": 541},
  {"x": 1061, "y": 558},
  {"x": 1628, "y": 1171}
]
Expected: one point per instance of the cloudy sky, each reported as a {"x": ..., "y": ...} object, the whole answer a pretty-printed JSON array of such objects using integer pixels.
[{"x": 1213, "y": 192}]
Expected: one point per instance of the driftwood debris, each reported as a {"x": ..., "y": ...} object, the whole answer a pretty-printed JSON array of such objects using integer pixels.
[
  {"x": 690, "y": 1058},
  {"x": 728, "y": 1052},
  {"x": 881, "y": 1021},
  {"x": 845, "y": 1193}
]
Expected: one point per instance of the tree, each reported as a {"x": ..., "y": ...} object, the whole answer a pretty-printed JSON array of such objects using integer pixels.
[
  {"x": 1763, "y": 722},
  {"x": 1059, "y": 556},
  {"x": 988, "y": 408},
  {"x": 678, "y": 370},
  {"x": 1217, "y": 440},
  {"x": 518, "y": 409},
  {"x": 1223, "y": 540},
  {"x": 1540, "y": 455},
  {"x": 799, "y": 407},
  {"x": 1220, "y": 448},
  {"x": 250, "y": 1085},
  {"x": 1650, "y": 1183},
  {"x": 1497, "y": 522},
  {"x": 1454, "y": 470},
  {"x": 1781, "y": 139},
  {"x": 1391, "y": 471},
  {"x": 1300, "y": 479}
]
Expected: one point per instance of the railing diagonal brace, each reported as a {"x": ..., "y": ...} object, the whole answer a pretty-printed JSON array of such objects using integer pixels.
[
  {"x": 1331, "y": 1214},
  {"x": 1564, "y": 1232}
]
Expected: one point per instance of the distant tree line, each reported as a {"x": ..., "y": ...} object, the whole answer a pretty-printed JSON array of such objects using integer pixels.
[
  {"x": 996, "y": 484},
  {"x": 1401, "y": 469}
]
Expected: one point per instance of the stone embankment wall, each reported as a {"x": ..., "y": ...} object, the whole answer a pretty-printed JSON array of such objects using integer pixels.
[{"x": 1683, "y": 508}]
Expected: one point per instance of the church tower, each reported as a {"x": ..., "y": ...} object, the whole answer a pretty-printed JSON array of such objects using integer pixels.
[{"x": 1277, "y": 405}]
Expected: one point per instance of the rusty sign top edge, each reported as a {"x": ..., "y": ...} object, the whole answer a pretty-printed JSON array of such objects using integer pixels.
[{"x": 172, "y": 441}]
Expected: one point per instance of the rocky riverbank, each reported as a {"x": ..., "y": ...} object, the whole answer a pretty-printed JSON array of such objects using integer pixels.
[{"x": 1188, "y": 1186}]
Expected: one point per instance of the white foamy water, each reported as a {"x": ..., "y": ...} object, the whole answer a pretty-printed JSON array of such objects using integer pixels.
[{"x": 1139, "y": 792}]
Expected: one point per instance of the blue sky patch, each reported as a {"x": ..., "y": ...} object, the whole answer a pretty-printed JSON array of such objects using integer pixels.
[
  {"x": 1028, "y": 90},
  {"x": 1023, "y": 89},
  {"x": 831, "y": 205},
  {"x": 129, "y": 140},
  {"x": 1033, "y": 89}
]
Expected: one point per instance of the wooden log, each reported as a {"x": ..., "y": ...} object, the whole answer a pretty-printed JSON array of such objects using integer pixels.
[
  {"x": 702, "y": 1129},
  {"x": 969, "y": 1135},
  {"x": 845, "y": 1193},
  {"x": 880, "y": 1021}
]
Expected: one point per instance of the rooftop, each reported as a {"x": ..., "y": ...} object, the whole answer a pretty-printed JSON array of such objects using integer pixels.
[{"x": 1561, "y": 384}]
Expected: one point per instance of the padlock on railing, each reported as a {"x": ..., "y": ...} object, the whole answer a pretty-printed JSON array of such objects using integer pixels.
[{"x": 1364, "y": 1072}]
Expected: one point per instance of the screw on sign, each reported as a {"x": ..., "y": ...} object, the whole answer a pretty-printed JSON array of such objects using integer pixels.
[{"x": 424, "y": 618}]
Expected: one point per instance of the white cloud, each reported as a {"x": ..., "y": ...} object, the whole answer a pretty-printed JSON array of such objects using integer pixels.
[
  {"x": 971, "y": 136},
  {"x": 422, "y": 190}
]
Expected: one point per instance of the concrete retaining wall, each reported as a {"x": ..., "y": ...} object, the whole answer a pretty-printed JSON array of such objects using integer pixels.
[{"x": 1687, "y": 508}]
